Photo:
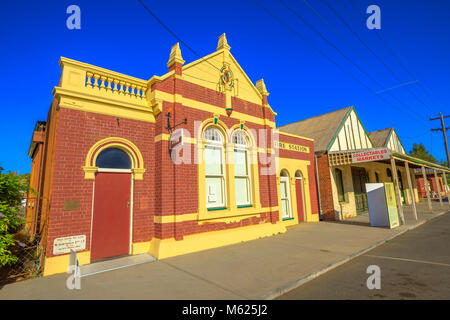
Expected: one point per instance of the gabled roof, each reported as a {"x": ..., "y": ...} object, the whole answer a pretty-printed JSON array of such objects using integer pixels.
[
  {"x": 321, "y": 128},
  {"x": 380, "y": 137}
]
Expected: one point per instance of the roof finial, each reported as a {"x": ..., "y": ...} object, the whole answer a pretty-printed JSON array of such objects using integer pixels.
[
  {"x": 261, "y": 86},
  {"x": 175, "y": 56},
  {"x": 223, "y": 44}
]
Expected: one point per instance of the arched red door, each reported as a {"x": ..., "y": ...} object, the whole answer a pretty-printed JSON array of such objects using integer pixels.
[{"x": 299, "y": 194}]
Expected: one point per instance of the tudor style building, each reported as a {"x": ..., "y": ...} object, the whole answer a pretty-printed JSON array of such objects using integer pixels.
[
  {"x": 179, "y": 163},
  {"x": 348, "y": 157}
]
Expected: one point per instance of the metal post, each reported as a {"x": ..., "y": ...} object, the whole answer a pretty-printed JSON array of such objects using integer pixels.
[
  {"x": 446, "y": 187},
  {"x": 411, "y": 191},
  {"x": 425, "y": 181},
  {"x": 445, "y": 138},
  {"x": 438, "y": 188},
  {"x": 398, "y": 196}
]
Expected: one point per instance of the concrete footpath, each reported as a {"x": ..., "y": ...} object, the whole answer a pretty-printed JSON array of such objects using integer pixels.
[{"x": 258, "y": 269}]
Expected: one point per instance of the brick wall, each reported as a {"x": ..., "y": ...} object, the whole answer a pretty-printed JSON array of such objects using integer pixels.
[
  {"x": 76, "y": 132},
  {"x": 326, "y": 192}
]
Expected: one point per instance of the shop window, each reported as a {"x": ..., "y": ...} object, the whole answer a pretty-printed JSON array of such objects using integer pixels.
[
  {"x": 214, "y": 169},
  {"x": 113, "y": 158},
  {"x": 286, "y": 212},
  {"x": 241, "y": 169},
  {"x": 340, "y": 185}
]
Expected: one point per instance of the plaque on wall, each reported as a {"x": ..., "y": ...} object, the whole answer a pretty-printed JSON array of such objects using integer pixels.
[
  {"x": 71, "y": 205},
  {"x": 65, "y": 244}
]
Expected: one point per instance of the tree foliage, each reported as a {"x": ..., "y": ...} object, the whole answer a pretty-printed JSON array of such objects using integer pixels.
[
  {"x": 12, "y": 190},
  {"x": 420, "y": 152}
]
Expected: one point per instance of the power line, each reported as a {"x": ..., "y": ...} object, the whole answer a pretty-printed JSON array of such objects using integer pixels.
[
  {"x": 185, "y": 44},
  {"x": 340, "y": 52},
  {"x": 396, "y": 57},
  {"x": 368, "y": 48},
  {"x": 326, "y": 56},
  {"x": 173, "y": 33},
  {"x": 360, "y": 40}
]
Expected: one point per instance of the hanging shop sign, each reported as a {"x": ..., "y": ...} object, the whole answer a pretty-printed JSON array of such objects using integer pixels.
[
  {"x": 176, "y": 139},
  {"x": 291, "y": 146},
  {"x": 375, "y": 154},
  {"x": 65, "y": 244}
]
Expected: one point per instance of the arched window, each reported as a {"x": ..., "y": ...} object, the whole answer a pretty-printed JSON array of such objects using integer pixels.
[
  {"x": 286, "y": 211},
  {"x": 377, "y": 177},
  {"x": 241, "y": 169},
  {"x": 389, "y": 174},
  {"x": 214, "y": 168},
  {"x": 113, "y": 158}
]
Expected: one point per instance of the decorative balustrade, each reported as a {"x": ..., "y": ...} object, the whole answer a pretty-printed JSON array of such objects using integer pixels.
[{"x": 116, "y": 85}]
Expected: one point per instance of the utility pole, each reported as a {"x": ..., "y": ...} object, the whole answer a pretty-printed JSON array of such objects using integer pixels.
[{"x": 443, "y": 129}]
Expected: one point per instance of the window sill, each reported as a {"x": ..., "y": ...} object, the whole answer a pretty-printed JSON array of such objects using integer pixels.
[
  {"x": 286, "y": 219},
  {"x": 244, "y": 206},
  {"x": 216, "y": 209}
]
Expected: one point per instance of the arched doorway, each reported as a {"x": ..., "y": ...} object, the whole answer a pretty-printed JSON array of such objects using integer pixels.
[
  {"x": 112, "y": 204},
  {"x": 299, "y": 191},
  {"x": 286, "y": 208}
]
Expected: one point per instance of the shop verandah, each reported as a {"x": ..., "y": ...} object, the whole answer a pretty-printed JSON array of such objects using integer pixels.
[{"x": 350, "y": 174}]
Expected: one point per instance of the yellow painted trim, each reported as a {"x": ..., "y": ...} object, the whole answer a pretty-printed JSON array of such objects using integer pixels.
[
  {"x": 162, "y": 137},
  {"x": 102, "y": 105},
  {"x": 130, "y": 148},
  {"x": 59, "y": 264},
  {"x": 238, "y": 216},
  {"x": 140, "y": 247},
  {"x": 166, "y": 137},
  {"x": 166, "y": 248},
  {"x": 294, "y": 135},
  {"x": 66, "y": 62},
  {"x": 210, "y": 108}
]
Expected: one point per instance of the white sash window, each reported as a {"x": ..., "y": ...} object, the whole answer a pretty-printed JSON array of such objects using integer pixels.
[
  {"x": 214, "y": 168},
  {"x": 241, "y": 169}
]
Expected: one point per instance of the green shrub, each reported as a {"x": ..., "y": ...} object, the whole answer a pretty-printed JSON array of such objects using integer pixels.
[{"x": 12, "y": 190}]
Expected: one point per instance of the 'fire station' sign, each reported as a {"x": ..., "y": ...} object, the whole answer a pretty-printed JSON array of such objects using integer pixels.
[
  {"x": 371, "y": 155},
  {"x": 291, "y": 146}
]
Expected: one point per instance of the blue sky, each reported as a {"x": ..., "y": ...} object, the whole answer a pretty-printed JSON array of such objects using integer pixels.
[{"x": 124, "y": 37}]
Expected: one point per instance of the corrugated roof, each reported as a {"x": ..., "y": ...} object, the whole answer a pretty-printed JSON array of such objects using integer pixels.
[
  {"x": 321, "y": 128},
  {"x": 379, "y": 137}
]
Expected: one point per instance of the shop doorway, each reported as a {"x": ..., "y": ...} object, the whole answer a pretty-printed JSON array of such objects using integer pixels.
[
  {"x": 360, "y": 178},
  {"x": 300, "y": 196},
  {"x": 110, "y": 235}
]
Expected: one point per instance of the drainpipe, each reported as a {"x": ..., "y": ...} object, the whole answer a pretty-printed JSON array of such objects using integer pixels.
[{"x": 318, "y": 187}]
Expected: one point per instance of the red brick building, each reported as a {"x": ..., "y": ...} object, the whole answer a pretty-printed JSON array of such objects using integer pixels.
[{"x": 178, "y": 163}]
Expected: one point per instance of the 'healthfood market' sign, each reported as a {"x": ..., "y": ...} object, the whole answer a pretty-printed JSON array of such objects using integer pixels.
[{"x": 371, "y": 155}]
